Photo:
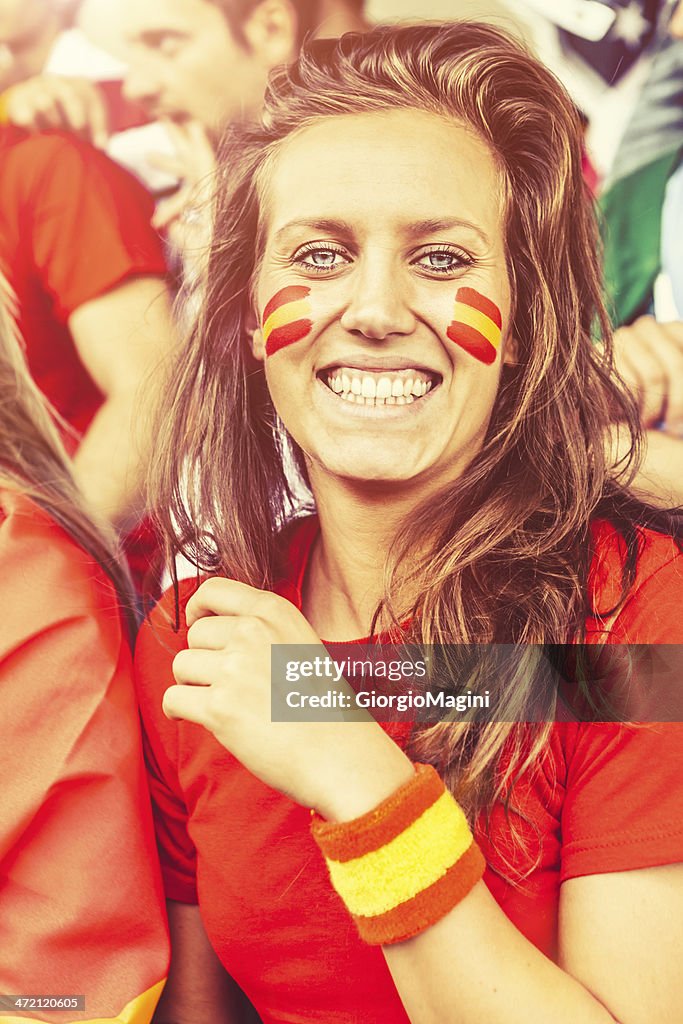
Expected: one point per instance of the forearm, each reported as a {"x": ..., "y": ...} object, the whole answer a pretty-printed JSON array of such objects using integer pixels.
[
  {"x": 661, "y": 475},
  {"x": 475, "y": 966},
  {"x": 111, "y": 462}
]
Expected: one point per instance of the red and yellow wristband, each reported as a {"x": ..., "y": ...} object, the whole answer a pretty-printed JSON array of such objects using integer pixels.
[{"x": 403, "y": 865}]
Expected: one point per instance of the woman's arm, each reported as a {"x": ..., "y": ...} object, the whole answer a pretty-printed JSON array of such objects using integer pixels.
[
  {"x": 617, "y": 961},
  {"x": 198, "y": 990},
  {"x": 473, "y": 966}
]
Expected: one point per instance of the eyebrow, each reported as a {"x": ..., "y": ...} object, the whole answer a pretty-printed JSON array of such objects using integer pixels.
[
  {"x": 154, "y": 36},
  {"x": 433, "y": 227},
  {"x": 413, "y": 230},
  {"x": 332, "y": 227}
]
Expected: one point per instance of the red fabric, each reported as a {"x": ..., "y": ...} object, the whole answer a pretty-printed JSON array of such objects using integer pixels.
[
  {"x": 605, "y": 798},
  {"x": 73, "y": 226},
  {"x": 81, "y": 901}
]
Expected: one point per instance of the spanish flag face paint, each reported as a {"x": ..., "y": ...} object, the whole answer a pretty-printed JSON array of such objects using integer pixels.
[
  {"x": 286, "y": 318},
  {"x": 476, "y": 325}
]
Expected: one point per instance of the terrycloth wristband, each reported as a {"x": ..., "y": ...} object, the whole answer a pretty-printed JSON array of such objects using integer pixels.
[{"x": 403, "y": 865}]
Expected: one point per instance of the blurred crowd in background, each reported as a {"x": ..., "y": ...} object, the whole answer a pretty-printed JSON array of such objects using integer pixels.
[{"x": 111, "y": 114}]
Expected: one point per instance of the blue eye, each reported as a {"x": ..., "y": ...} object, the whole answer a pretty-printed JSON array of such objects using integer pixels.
[
  {"x": 320, "y": 258},
  {"x": 442, "y": 260}
]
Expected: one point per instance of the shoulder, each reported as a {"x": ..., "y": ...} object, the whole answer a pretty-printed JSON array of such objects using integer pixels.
[
  {"x": 161, "y": 636},
  {"x": 44, "y": 570},
  {"x": 62, "y": 623},
  {"x": 649, "y": 613},
  {"x": 164, "y": 632},
  {"x": 47, "y": 161}
]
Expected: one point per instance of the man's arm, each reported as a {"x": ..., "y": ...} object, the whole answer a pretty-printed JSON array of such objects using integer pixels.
[{"x": 123, "y": 338}]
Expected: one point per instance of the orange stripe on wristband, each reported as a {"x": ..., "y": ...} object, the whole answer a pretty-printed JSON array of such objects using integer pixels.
[
  {"x": 427, "y": 907},
  {"x": 348, "y": 840},
  {"x": 402, "y": 866}
]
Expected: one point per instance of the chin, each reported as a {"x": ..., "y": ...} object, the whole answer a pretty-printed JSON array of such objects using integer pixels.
[{"x": 387, "y": 473}]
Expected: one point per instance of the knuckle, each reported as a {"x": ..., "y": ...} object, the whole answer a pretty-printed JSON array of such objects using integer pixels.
[
  {"x": 267, "y": 604},
  {"x": 180, "y": 665}
]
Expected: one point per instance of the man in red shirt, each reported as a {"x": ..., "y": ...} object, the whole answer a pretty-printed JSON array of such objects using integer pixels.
[{"x": 88, "y": 272}]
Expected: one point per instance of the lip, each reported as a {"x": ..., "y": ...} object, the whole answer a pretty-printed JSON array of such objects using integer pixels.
[{"x": 378, "y": 364}]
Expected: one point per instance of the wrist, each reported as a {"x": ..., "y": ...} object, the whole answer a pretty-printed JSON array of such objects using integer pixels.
[
  {"x": 364, "y": 784},
  {"x": 403, "y": 865}
]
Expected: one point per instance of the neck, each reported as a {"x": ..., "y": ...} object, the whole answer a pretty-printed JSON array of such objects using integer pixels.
[
  {"x": 345, "y": 579},
  {"x": 335, "y": 18}
]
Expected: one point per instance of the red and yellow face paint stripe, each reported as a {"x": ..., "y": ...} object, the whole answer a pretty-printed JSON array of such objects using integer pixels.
[
  {"x": 286, "y": 318},
  {"x": 476, "y": 325},
  {"x": 404, "y": 865}
]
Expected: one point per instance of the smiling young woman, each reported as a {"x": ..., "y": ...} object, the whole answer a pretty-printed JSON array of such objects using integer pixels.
[{"x": 403, "y": 290}]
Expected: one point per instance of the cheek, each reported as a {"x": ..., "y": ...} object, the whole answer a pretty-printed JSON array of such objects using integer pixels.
[
  {"x": 286, "y": 318},
  {"x": 476, "y": 325}
]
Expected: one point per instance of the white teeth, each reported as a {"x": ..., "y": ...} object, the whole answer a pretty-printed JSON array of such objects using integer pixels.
[{"x": 369, "y": 388}]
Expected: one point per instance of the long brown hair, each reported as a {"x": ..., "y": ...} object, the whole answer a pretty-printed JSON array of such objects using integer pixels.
[
  {"x": 33, "y": 459},
  {"x": 511, "y": 546}
]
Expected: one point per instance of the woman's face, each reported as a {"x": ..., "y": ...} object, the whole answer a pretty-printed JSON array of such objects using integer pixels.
[{"x": 383, "y": 295}]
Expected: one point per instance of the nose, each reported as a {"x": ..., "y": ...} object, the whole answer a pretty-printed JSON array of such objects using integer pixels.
[
  {"x": 140, "y": 87},
  {"x": 378, "y": 304}
]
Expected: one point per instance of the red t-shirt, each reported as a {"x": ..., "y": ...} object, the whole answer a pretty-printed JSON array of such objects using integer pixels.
[
  {"x": 81, "y": 901},
  {"x": 605, "y": 798},
  {"x": 73, "y": 226}
]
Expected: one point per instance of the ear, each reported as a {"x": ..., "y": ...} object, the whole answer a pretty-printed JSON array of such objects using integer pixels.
[
  {"x": 511, "y": 356},
  {"x": 271, "y": 31},
  {"x": 258, "y": 346},
  {"x": 253, "y": 331}
]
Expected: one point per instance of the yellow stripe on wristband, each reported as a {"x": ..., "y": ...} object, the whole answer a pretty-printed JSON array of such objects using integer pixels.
[
  {"x": 370, "y": 885},
  {"x": 4, "y": 112}
]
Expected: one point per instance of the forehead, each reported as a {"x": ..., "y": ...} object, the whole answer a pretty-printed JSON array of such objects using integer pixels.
[
  {"x": 140, "y": 17},
  {"x": 18, "y": 15},
  {"x": 385, "y": 167}
]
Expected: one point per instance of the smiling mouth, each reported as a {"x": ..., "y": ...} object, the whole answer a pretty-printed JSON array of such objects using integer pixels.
[{"x": 379, "y": 387}]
